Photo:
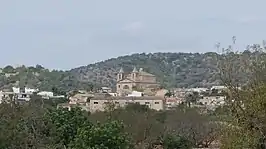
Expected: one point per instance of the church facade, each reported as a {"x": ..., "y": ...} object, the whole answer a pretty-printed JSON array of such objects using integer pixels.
[{"x": 135, "y": 80}]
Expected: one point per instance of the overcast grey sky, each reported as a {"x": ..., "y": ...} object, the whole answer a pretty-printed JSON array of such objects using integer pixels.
[{"x": 63, "y": 34}]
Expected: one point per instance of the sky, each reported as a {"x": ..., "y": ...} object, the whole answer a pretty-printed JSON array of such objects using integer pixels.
[{"x": 63, "y": 34}]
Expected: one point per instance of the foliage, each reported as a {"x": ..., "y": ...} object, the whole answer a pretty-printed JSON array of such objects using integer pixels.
[
  {"x": 31, "y": 126},
  {"x": 56, "y": 91},
  {"x": 38, "y": 77},
  {"x": 67, "y": 123},
  {"x": 109, "y": 135},
  {"x": 199, "y": 129},
  {"x": 168, "y": 94},
  {"x": 176, "y": 142},
  {"x": 38, "y": 124},
  {"x": 192, "y": 98},
  {"x": 171, "y": 70},
  {"x": 246, "y": 106},
  {"x": 22, "y": 126},
  {"x": 8, "y": 69},
  {"x": 145, "y": 125}
]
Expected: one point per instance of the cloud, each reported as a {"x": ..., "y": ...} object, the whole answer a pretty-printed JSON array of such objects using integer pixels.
[{"x": 133, "y": 28}]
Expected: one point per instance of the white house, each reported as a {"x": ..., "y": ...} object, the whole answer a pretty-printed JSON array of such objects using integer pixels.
[
  {"x": 16, "y": 90},
  {"x": 218, "y": 87},
  {"x": 30, "y": 91},
  {"x": 135, "y": 94},
  {"x": 45, "y": 94}
]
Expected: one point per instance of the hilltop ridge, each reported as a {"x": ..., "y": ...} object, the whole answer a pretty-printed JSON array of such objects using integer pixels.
[{"x": 171, "y": 70}]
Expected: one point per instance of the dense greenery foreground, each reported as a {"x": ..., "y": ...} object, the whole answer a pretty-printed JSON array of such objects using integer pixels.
[{"x": 39, "y": 125}]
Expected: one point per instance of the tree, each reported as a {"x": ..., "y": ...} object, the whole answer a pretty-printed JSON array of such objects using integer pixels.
[
  {"x": 168, "y": 94},
  {"x": 189, "y": 123},
  {"x": 139, "y": 122},
  {"x": 109, "y": 135},
  {"x": 39, "y": 67},
  {"x": 57, "y": 91},
  {"x": 90, "y": 87},
  {"x": 23, "y": 126},
  {"x": 9, "y": 69},
  {"x": 214, "y": 92},
  {"x": 246, "y": 128},
  {"x": 67, "y": 123},
  {"x": 176, "y": 142},
  {"x": 192, "y": 98}
]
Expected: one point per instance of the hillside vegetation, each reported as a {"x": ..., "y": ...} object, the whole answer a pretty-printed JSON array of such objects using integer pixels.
[
  {"x": 39, "y": 77},
  {"x": 171, "y": 69}
]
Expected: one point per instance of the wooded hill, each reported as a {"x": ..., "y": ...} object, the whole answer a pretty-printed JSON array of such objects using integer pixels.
[{"x": 171, "y": 69}]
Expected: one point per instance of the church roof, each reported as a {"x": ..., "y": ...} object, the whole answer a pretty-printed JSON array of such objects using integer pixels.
[{"x": 145, "y": 73}]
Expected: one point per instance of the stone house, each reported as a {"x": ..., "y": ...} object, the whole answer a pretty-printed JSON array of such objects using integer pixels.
[
  {"x": 80, "y": 98},
  {"x": 101, "y": 104}
]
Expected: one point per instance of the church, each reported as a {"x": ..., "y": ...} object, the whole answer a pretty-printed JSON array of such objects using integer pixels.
[{"x": 136, "y": 80}]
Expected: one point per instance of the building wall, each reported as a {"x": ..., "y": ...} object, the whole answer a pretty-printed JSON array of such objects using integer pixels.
[
  {"x": 128, "y": 86},
  {"x": 29, "y": 90},
  {"x": 102, "y": 104},
  {"x": 146, "y": 85},
  {"x": 143, "y": 78},
  {"x": 45, "y": 93}
]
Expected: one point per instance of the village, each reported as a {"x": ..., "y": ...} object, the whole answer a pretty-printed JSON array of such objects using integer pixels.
[{"x": 137, "y": 87}]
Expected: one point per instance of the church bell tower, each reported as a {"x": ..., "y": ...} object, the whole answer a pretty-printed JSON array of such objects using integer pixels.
[{"x": 120, "y": 74}]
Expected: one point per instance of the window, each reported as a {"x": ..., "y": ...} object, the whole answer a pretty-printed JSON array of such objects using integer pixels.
[
  {"x": 126, "y": 87},
  {"x": 156, "y": 102},
  {"x": 118, "y": 86},
  {"x": 116, "y": 102},
  {"x": 105, "y": 102},
  {"x": 95, "y": 103},
  {"x": 146, "y": 103}
]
